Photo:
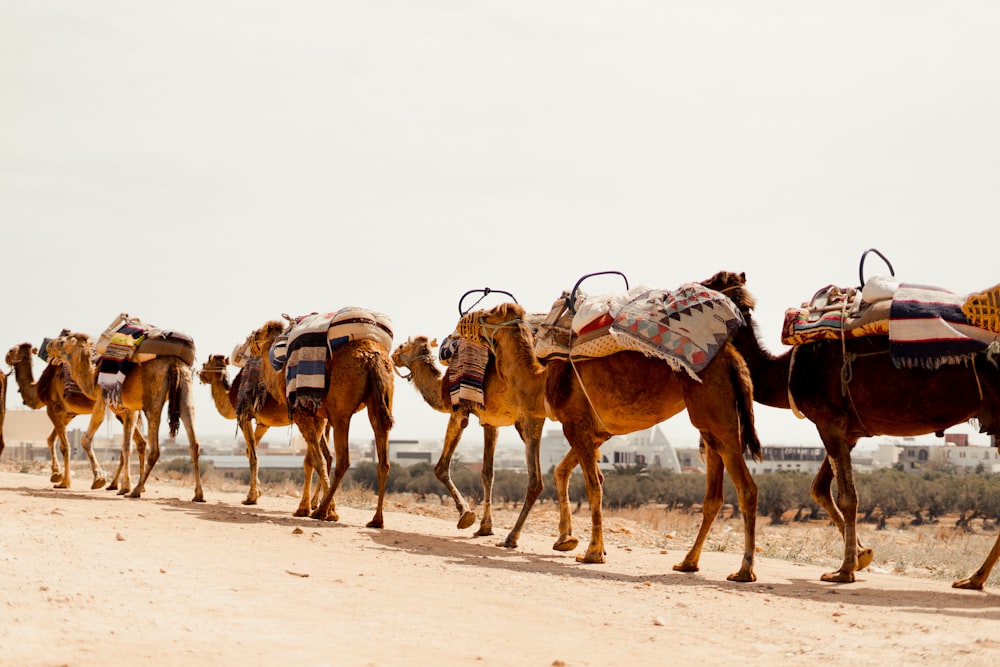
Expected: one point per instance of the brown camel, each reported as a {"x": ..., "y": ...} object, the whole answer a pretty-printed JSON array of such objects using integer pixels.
[
  {"x": 501, "y": 408},
  {"x": 272, "y": 412},
  {"x": 879, "y": 399},
  {"x": 358, "y": 377},
  {"x": 62, "y": 401},
  {"x": 623, "y": 393},
  {"x": 148, "y": 386}
]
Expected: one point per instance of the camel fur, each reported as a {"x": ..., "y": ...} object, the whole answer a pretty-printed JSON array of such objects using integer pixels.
[
  {"x": 878, "y": 399},
  {"x": 623, "y": 393},
  {"x": 149, "y": 386},
  {"x": 501, "y": 408},
  {"x": 358, "y": 376}
]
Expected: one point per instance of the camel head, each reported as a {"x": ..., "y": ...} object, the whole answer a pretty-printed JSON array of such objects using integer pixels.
[
  {"x": 216, "y": 366},
  {"x": 262, "y": 338},
  {"x": 414, "y": 349},
  {"x": 20, "y": 353},
  {"x": 482, "y": 325},
  {"x": 733, "y": 286},
  {"x": 63, "y": 348}
]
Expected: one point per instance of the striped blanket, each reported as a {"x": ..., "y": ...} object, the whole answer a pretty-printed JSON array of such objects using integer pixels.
[
  {"x": 927, "y": 328},
  {"x": 252, "y": 392},
  {"x": 305, "y": 368},
  {"x": 116, "y": 360},
  {"x": 466, "y": 361}
]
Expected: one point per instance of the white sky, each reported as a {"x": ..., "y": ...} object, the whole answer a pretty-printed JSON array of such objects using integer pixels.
[{"x": 208, "y": 165}]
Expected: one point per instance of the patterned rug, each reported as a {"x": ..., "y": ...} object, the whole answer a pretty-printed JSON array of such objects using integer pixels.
[
  {"x": 305, "y": 368},
  {"x": 685, "y": 327}
]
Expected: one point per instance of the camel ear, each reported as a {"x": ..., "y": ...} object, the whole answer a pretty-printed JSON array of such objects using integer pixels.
[
  {"x": 743, "y": 277},
  {"x": 34, "y": 350},
  {"x": 225, "y": 361},
  {"x": 434, "y": 342}
]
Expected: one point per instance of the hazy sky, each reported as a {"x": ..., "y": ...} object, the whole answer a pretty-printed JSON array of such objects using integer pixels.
[{"x": 208, "y": 165}]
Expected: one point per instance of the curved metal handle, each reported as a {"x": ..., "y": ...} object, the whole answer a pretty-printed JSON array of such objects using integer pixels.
[
  {"x": 485, "y": 291},
  {"x": 571, "y": 299},
  {"x": 861, "y": 267}
]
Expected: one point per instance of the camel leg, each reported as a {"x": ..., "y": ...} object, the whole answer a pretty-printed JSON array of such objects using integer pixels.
[
  {"x": 99, "y": 476},
  {"x": 187, "y": 418},
  {"x": 531, "y": 433},
  {"x": 64, "y": 482},
  {"x": 56, "y": 475},
  {"x": 310, "y": 428},
  {"x": 326, "y": 459},
  {"x": 140, "y": 445},
  {"x": 252, "y": 437},
  {"x": 594, "y": 481},
  {"x": 847, "y": 508},
  {"x": 746, "y": 490},
  {"x": 486, "y": 476},
  {"x": 821, "y": 491},
  {"x": 327, "y": 509},
  {"x": 442, "y": 469},
  {"x": 709, "y": 508},
  {"x": 978, "y": 579},
  {"x": 153, "y": 454},
  {"x": 380, "y": 426},
  {"x": 566, "y": 541}
]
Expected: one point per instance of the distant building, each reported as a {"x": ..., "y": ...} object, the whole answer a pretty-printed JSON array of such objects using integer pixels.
[{"x": 949, "y": 457}]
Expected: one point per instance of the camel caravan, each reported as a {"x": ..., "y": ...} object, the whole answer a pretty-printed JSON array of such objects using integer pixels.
[{"x": 883, "y": 358}]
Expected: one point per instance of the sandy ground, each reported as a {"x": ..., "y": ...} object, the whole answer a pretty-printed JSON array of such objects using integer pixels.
[{"x": 91, "y": 578}]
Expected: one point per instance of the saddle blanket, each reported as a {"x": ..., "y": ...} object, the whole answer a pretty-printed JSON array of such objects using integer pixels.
[
  {"x": 128, "y": 341},
  {"x": 684, "y": 327},
  {"x": 305, "y": 346},
  {"x": 466, "y": 361},
  {"x": 835, "y": 313},
  {"x": 928, "y": 328}
]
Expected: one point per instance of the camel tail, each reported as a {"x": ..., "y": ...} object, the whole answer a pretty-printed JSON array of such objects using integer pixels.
[
  {"x": 379, "y": 399},
  {"x": 3, "y": 406},
  {"x": 175, "y": 395},
  {"x": 743, "y": 386}
]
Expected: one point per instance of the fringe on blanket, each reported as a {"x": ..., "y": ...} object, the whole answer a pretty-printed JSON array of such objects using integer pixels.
[
  {"x": 927, "y": 329},
  {"x": 466, "y": 370}
]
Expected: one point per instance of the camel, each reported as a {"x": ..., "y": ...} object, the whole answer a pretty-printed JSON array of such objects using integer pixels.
[
  {"x": 148, "y": 386},
  {"x": 622, "y": 393},
  {"x": 358, "y": 377},
  {"x": 61, "y": 405},
  {"x": 271, "y": 412},
  {"x": 501, "y": 408},
  {"x": 878, "y": 399}
]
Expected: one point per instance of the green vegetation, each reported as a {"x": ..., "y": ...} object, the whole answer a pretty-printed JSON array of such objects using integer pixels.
[{"x": 882, "y": 495}]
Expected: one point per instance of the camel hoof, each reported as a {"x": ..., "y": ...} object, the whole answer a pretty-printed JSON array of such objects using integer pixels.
[
  {"x": 509, "y": 543},
  {"x": 745, "y": 577},
  {"x": 566, "y": 543},
  {"x": 301, "y": 511},
  {"x": 198, "y": 499},
  {"x": 98, "y": 483},
  {"x": 968, "y": 584},
  {"x": 590, "y": 558},
  {"x": 375, "y": 523},
  {"x": 61, "y": 485},
  {"x": 124, "y": 492},
  {"x": 686, "y": 567},
  {"x": 865, "y": 558},
  {"x": 467, "y": 519},
  {"x": 135, "y": 494},
  {"x": 249, "y": 501},
  {"x": 324, "y": 515},
  {"x": 112, "y": 487},
  {"x": 838, "y": 577},
  {"x": 55, "y": 477}
]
